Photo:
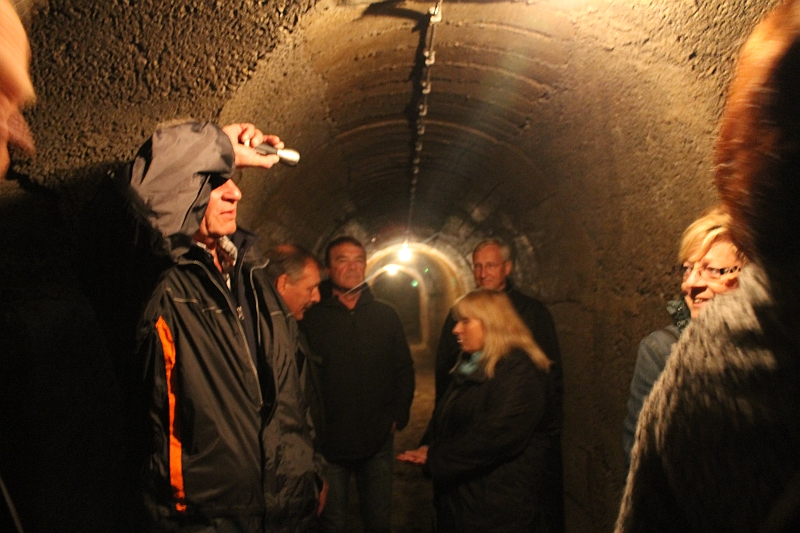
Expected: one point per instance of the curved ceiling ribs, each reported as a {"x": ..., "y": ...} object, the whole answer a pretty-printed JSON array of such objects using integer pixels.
[{"x": 496, "y": 67}]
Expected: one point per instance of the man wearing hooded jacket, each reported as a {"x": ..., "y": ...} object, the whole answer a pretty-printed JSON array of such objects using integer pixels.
[{"x": 205, "y": 334}]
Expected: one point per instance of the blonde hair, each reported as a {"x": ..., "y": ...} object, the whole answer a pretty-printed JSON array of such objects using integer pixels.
[
  {"x": 704, "y": 232},
  {"x": 503, "y": 329}
]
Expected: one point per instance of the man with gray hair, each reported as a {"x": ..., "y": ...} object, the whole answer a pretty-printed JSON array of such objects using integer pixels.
[
  {"x": 491, "y": 267},
  {"x": 294, "y": 487},
  {"x": 295, "y": 273}
]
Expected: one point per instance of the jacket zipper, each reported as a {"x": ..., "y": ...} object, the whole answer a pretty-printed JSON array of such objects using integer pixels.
[
  {"x": 259, "y": 339},
  {"x": 255, "y": 301},
  {"x": 237, "y": 311}
]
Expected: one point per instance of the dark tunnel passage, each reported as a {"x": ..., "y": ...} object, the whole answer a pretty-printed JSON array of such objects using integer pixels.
[
  {"x": 396, "y": 286},
  {"x": 579, "y": 131},
  {"x": 422, "y": 285}
]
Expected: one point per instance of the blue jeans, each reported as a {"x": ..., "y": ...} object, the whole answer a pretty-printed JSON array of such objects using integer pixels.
[{"x": 374, "y": 486}]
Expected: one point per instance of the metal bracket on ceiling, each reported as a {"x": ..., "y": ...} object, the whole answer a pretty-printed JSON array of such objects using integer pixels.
[
  {"x": 435, "y": 13},
  {"x": 425, "y": 60}
]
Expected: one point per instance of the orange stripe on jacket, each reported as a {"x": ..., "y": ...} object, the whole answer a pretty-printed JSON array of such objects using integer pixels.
[{"x": 175, "y": 446}]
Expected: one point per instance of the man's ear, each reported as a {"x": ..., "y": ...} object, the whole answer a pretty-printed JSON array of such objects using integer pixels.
[
  {"x": 281, "y": 283},
  {"x": 507, "y": 267}
]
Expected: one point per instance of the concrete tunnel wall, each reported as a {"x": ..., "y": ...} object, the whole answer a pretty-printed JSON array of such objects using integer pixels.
[{"x": 579, "y": 130}]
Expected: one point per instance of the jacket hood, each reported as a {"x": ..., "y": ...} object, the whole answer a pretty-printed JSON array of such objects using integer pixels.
[{"x": 172, "y": 177}]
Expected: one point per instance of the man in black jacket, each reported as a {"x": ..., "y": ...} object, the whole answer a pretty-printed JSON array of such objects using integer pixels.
[
  {"x": 367, "y": 387},
  {"x": 491, "y": 268},
  {"x": 294, "y": 467},
  {"x": 204, "y": 338},
  {"x": 296, "y": 275}
]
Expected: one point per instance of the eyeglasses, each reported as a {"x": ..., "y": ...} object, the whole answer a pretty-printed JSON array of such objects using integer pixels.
[{"x": 706, "y": 272}]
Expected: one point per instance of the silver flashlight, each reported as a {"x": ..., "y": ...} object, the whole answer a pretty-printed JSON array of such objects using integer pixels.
[{"x": 288, "y": 157}]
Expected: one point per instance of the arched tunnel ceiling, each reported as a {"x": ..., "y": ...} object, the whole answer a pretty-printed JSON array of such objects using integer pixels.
[
  {"x": 496, "y": 68},
  {"x": 579, "y": 130},
  {"x": 521, "y": 92}
]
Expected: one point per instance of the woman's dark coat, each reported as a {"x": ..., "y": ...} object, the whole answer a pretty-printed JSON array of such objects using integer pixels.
[{"x": 488, "y": 440}]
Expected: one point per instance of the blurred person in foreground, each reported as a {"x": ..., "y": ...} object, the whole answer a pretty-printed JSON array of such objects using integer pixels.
[
  {"x": 16, "y": 90},
  {"x": 719, "y": 438},
  {"x": 489, "y": 433},
  {"x": 710, "y": 265},
  {"x": 16, "y": 87}
]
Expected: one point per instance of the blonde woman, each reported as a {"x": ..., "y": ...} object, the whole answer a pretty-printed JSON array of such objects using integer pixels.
[
  {"x": 490, "y": 433},
  {"x": 710, "y": 265}
]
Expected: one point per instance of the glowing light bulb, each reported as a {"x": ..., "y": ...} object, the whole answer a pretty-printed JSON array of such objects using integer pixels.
[
  {"x": 392, "y": 269},
  {"x": 405, "y": 253}
]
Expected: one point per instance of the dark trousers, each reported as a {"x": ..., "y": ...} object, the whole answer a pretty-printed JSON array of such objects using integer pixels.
[{"x": 374, "y": 486}]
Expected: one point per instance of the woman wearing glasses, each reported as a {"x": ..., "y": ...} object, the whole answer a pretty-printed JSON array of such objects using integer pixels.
[
  {"x": 718, "y": 443},
  {"x": 710, "y": 264}
]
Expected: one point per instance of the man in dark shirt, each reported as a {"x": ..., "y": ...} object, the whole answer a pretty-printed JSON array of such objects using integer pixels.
[{"x": 367, "y": 387}]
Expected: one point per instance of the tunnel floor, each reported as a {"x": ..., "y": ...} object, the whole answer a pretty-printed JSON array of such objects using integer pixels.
[{"x": 412, "y": 495}]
